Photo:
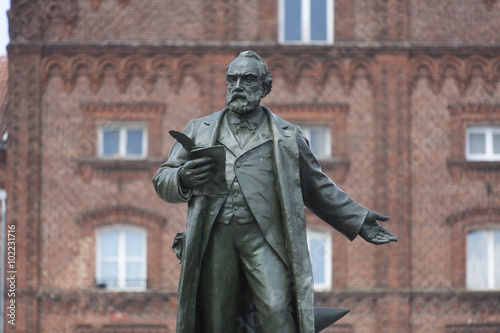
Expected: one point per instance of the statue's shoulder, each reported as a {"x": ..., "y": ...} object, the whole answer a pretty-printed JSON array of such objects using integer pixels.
[
  {"x": 281, "y": 122},
  {"x": 211, "y": 118}
]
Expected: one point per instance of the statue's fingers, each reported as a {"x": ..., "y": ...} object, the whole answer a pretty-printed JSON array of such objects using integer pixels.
[
  {"x": 201, "y": 181},
  {"x": 387, "y": 234},
  {"x": 202, "y": 176},
  {"x": 202, "y": 169},
  {"x": 381, "y": 217},
  {"x": 380, "y": 240},
  {"x": 197, "y": 162}
]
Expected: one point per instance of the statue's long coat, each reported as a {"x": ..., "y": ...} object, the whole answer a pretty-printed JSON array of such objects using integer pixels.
[{"x": 300, "y": 182}]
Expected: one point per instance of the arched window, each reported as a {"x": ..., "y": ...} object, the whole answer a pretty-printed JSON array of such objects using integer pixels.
[
  {"x": 483, "y": 259},
  {"x": 121, "y": 257},
  {"x": 320, "y": 250}
]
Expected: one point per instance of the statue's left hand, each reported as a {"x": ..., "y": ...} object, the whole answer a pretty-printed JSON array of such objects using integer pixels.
[{"x": 373, "y": 232}]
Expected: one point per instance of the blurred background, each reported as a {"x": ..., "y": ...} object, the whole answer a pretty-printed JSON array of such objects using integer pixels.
[{"x": 400, "y": 100}]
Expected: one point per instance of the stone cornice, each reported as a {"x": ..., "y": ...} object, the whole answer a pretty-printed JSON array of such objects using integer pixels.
[{"x": 346, "y": 49}]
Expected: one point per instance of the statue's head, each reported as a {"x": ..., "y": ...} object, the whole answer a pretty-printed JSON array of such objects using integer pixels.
[{"x": 248, "y": 81}]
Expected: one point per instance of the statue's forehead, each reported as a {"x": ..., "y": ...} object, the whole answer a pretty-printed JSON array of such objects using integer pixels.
[{"x": 242, "y": 66}]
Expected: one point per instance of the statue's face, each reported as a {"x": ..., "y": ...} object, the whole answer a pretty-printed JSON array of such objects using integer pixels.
[{"x": 244, "y": 87}]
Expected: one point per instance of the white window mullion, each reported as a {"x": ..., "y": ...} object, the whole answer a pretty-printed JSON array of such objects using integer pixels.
[
  {"x": 329, "y": 21},
  {"x": 144, "y": 142},
  {"x": 306, "y": 21},
  {"x": 123, "y": 142},
  {"x": 491, "y": 259},
  {"x": 281, "y": 19},
  {"x": 100, "y": 142},
  {"x": 121, "y": 260},
  {"x": 488, "y": 144}
]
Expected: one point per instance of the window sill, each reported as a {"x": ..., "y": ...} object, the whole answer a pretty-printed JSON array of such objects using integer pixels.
[
  {"x": 473, "y": 170},
  {"x": 337, "y": 167},
  {"x": 121, "y": 290},
  {"x": 309, "y": 43},
  {"x": 117, "y": 169}
]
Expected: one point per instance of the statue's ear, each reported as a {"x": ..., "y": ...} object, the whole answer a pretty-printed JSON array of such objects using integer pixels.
[{"x": 266, "y": 89}]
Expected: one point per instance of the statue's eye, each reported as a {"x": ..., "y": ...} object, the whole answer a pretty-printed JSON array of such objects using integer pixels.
[{"x": 249, "y": 78}]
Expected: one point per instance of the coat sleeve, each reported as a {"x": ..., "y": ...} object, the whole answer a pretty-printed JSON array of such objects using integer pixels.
[
  {"x": 166, "y": 180},
  {"x": 324, "y": 198}
]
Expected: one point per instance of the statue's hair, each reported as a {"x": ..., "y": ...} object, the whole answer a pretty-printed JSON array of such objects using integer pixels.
[{"x": 265, "y": 75}]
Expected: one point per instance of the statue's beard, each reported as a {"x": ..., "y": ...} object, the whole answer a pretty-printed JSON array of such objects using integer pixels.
[{"x": 242, "y": 103}]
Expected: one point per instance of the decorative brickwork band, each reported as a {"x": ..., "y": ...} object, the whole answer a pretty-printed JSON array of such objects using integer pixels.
[
  {"x": 149, "y": 69},
  {"x": 462, "y": 70},
  {"x": 122, "y": 69},
  {"x": 320, "y": 69}
]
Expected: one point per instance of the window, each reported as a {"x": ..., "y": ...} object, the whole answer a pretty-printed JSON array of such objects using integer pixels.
[
  {"x": 306, "y": 21},
  {"x": 483, "y": 143},
  {"x": 122, "y": 141},
  {"x": 319, "y": 139},
  {"x": 121, "y": 257},
  {"x": 320, "y": 250},
  {"x": 483, "y": 259}
]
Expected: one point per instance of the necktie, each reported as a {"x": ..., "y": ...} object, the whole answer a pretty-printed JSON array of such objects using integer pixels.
[
  {"x": 245, "y": 124},
  {"x": 244, "y": 129}
]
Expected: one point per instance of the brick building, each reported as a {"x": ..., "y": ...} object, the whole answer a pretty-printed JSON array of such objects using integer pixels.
[{"x": 401, "y": 101}]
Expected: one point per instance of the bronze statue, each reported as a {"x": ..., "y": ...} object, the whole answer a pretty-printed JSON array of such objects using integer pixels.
[{"x": 245, "y": 262}]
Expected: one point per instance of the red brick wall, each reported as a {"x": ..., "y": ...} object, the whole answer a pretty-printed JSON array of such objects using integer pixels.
[{"x": 398, "y": 115}]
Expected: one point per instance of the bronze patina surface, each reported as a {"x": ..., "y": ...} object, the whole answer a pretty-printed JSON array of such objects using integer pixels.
[{"x": 245, "y": 262}]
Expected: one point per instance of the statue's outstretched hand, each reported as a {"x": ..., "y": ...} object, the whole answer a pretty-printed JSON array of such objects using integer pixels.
[{"x": 373, "y": 232}]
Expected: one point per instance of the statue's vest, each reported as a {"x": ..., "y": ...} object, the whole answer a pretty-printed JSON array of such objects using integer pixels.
[{"x": 253, "y": 195}]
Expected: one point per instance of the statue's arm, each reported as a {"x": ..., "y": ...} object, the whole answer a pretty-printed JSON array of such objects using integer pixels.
[
  {"x": 324, "y": 198},
  {"x": 167, "y": 179}
]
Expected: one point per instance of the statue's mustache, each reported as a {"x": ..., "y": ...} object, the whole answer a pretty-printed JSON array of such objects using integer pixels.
[{"x": 239, "y": 96}]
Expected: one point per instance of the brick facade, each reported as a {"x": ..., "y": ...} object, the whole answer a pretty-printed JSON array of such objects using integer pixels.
[{"x": 397, "y": 89}]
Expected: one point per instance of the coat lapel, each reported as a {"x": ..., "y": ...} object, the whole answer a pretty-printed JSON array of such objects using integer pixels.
[
  {"x": 206, "y": 135},
  {"x": 286, "y": 157},
  {"x": 261, "y": 136},
  {"x": 228, "y": 138}
]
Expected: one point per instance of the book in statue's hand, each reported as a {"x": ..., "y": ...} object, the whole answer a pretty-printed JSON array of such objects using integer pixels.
[{"x": 217, "y": 185}]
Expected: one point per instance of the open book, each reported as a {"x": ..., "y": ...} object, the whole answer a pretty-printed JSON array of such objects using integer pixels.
[{"x": 217, "y": 184}]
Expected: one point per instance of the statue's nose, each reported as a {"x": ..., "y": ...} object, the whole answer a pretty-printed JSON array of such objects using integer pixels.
[{"x": 238, "y": 83}]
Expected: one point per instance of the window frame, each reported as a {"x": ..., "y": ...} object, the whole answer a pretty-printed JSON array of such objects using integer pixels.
[
  {"x": 121, "y": 257},
  {"x": 306, "y": 24},
  {"x": 490, "y": 266},
  {"x": 122, "y": 140},
  {"x": 323, "y": 234},
  {"x": 489, "y": 155},
  {"x": 327, "y": 153}
]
